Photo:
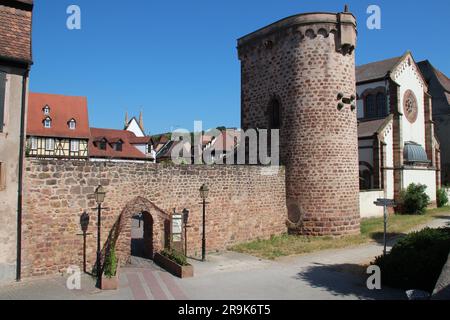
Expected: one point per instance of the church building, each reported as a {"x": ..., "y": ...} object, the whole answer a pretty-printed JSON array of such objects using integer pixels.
[{"x": 396, "y": 139}]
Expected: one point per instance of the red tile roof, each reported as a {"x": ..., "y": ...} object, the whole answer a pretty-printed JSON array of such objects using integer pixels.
[
  {"x": 227, "y": 141},
  {"x": 62, "y": 110},
  {"x": 140, "y": 140},
  {"x": 112, "y": 136},
  {"x": 15, "y": 30}
]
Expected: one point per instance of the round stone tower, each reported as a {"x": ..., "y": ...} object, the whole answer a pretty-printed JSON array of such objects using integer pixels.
[{"x": 298, "y": 75}]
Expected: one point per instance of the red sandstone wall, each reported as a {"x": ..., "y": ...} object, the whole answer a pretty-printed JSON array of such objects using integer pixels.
[
  {"x": 244, "y": 205},
  {"x": 301, "y": 67}
]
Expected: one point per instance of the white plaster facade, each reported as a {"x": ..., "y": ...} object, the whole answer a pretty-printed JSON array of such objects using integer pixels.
[
  {"x": 407, "y": 76},
  {"x": 366, "y": 200},
  {"x": 134, "y": 127},
  {"x": 9, "y": 159}
]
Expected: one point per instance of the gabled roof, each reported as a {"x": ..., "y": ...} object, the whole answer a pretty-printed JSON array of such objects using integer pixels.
[
  {"x": 440, "y": 76},
  {"x": 62, "y": 110},
  {"x": 140, "y": 140},
  {"x": 430, "y": 71},
  {"x": 379, "y": 70},
  {"x": 137, "y": 123},
  {"x": 165, "y": 153},
  {"x": 113, "y": 136},
  {"x": 367, "y": 129},
  {"x": 376, "y": 70}
]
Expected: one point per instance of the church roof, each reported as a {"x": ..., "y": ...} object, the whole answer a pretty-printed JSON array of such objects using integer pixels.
[
  {"x": 443, "y": 80},
  {"x": 376, "y": 70},
  {"x": 430, "y": 71},
  {"x": 367, "y": 129}
]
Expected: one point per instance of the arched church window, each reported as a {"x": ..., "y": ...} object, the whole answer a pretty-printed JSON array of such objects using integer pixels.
[
  {"x": 371, "y": 107},
  {"x": 381, "y": 104},
  {"x": 365, "y": 179},
  {"x": 274, "y": 114}
]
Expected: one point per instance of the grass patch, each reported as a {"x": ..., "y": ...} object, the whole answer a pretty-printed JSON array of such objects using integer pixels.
[{"x": 371, "y": 230}]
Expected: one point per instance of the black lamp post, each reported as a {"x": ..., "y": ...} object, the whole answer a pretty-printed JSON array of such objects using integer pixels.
[
  {"x": 84, "y": 222},
  {"x": 185, "y": 223},
  {"x": 99, "y": 198},
  {"x": 204, "y": 191}
]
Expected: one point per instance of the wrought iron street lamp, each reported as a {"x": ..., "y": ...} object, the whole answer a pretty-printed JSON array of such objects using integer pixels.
[
  {"x": 84, "y": 223},
  {"x": 99, "y": 198},
  {"x": 186, "y": 226},
  {"x": 204, "y": 192}
]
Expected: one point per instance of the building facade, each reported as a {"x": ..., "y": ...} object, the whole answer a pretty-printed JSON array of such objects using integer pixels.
[
  {"x": 118, "y": 145},
  {"x": 396, "y": 140},
  {"x": 144, "y": 143},
  {"x": 15, "y": 62},
  {"x": 57, "y": 127}
]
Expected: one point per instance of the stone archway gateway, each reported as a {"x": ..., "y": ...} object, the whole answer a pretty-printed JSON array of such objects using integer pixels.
[
  {"x": 153, "y": 237},
  {"x": 142, "y": 235}
]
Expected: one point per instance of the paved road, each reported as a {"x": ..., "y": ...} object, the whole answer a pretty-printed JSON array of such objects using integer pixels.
[{"x": 331, "y": 274}]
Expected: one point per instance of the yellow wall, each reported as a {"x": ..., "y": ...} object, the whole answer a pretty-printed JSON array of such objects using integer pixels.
[{"x": 61, "y": 148}]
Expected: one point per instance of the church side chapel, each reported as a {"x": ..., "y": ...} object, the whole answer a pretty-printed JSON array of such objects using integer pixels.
[{"x": 396, "y": 139}]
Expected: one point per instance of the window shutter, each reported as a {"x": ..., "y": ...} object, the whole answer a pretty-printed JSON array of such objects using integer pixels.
[{"x": 2, "y": 99}]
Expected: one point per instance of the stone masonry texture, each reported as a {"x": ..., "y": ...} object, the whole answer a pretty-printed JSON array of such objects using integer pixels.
[
  {"x": 245, "y": 203},
  {"x": 298, "y": 62}
]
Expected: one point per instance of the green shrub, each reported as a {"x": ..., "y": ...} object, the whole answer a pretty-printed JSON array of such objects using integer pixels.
[
  {"x": 416, "y": 261},
  {"x": 414, "y": 200},
  {"x": 442, "y": 198},
  {"x": 110, "y": 268},
  {"x": 175, "y": 256}
]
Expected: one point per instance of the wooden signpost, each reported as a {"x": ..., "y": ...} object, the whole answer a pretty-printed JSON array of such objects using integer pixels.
[{"x": 385, "y": 203}]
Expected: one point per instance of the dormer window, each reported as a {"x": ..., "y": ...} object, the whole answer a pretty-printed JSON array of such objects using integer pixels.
[
  {"x": 102, "y": 144},
  {"x": 48, "y": 123},
  {"x": 118, "y": 146},
  {"x": 72, "y": 124},
  {"x": 46, "y": 110}
]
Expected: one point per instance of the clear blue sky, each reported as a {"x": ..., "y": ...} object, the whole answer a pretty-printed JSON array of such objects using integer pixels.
[{"x": 177, "y": 59}]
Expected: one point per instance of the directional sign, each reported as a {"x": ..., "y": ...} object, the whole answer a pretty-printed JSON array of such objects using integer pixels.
[
  {"x": 177, "y": 223},
  {"x": 385, "y": 203}
]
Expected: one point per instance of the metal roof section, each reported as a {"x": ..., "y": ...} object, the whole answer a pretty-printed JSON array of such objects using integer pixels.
[{"x": 414, "y": 153}]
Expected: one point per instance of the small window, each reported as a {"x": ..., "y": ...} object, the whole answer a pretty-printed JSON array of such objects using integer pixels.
[
  {"x": 33, "y": 143},
  {"x": 274, "y": 114},
  {"x": 74, "y": 146},
  {"x": 119, "y": 146},
  {"x": 46, "y": 110},
  {"x": 102, "y": 145},
  {"x": 47, "y": 123},
  {"x": 72, "y": 124},
  {"x": 49, "y": 144}
]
